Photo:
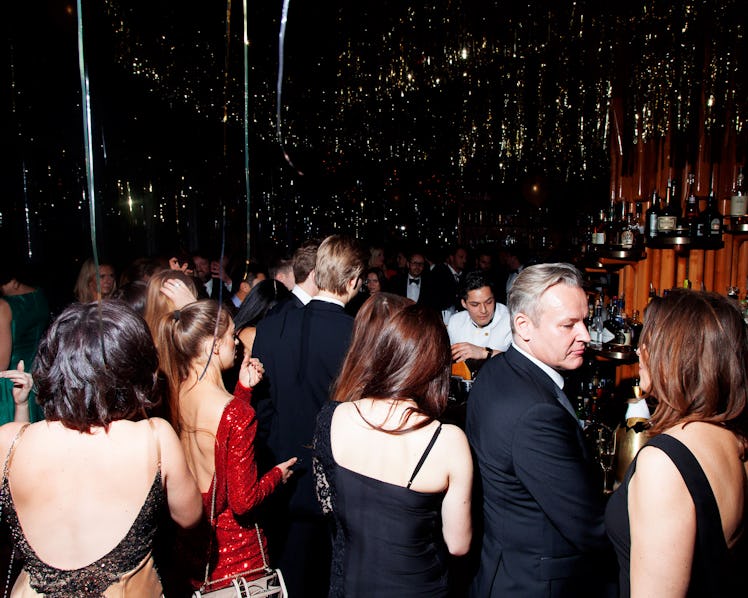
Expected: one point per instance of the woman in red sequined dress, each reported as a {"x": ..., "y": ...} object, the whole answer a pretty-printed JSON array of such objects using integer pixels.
[{"x": 217, "y": 431}]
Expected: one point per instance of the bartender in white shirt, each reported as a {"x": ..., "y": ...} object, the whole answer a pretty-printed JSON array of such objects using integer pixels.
[{"x": 484, "y": 328}]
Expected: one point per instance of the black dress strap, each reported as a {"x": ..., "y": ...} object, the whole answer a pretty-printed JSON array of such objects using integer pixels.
[
  {"x": 425, "y": 454},
  {"x": 710, "y": 551}
]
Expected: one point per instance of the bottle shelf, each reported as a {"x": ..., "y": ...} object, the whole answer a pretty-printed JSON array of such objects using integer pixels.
[
  {"x": 626, "y": 255},
  {"x": 684, "y": 243},
  {"x": 611, "y": 351},
  {"x": 736, "y": 229}
]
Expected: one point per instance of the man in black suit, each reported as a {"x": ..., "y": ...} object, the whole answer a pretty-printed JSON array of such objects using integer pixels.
[
  {"x": 302, "y": 351},
  {"x": 415, "y": 283},
  {"x": 304, "y": 287},
  {"x": 543, "y": 531},
  {"x": 446, "y": 279}
]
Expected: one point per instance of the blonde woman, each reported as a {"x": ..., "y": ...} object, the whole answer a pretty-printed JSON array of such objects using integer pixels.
[{"x": 86, "y": 286}]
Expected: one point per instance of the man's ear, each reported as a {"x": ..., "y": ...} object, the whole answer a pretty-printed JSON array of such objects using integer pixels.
[
  {"x": 523, "y": 326},
  {"x": 463, "y": 303}
]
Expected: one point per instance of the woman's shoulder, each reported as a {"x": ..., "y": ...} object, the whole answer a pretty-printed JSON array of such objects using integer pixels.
[
  {"x": 8, "y": 433},
  {"x": 454, "y": 443}
]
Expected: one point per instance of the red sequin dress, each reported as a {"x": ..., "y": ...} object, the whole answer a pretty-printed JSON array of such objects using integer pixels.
[{"x": 238, "y": 491}]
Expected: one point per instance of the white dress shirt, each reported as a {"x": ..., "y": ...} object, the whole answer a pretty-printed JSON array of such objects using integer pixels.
[{"x": 497, "y": 334}]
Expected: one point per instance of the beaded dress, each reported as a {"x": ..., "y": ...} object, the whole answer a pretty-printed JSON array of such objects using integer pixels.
[
  {"x": 127, "y": 571},
  {"x": 239, "y": 490}
]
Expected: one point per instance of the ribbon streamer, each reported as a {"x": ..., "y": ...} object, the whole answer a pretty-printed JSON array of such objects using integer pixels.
[
  {"x": 279, "y": 84},
  {"x": 246, "y": 137},
  {"x": 88, "y": 146}
]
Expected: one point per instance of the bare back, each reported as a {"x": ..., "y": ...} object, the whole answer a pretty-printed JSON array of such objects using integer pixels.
[
  {"x": 76, "y": 495},
  {"x": 201, "y": 408},
  {"x": 718, "y": 452},
  {"x": 389, "y": 458},
  {"x": 392, "y": 458}
]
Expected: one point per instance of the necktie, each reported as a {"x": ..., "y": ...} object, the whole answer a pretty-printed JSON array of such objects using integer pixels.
[
  {"x": 564, "y": 400},
  {"x": 414, "y": 281}
]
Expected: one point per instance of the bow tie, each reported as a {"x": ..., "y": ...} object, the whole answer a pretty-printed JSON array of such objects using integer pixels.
[{"x": 414, "y": 281}]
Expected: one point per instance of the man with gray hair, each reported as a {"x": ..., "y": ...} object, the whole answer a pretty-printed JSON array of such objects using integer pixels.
[{"x": 542, "y": 509}]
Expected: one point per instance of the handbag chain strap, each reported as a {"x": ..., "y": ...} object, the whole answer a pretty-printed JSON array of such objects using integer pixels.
[
  {"x": 265, "y": 566},
  {"x": 212, "y": 528}
]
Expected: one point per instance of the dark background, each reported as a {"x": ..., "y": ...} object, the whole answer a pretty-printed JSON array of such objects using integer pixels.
[{"x": 395, "y": 115}]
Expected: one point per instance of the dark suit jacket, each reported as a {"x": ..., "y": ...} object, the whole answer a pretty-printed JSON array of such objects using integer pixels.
[
  {"x": 290, "y": 302},
  {"x": 542, "y": 509},
  {"x": 399, "y": 286},
  {"x": 302, "y": 351},
  {"x": 446, "y": 289}
]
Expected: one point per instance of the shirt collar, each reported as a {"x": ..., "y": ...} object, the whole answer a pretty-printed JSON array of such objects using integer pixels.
[
  {"x": 328, "y": 300},
  {"x": 488, "y": 326},
  {"x": 303, "y": 296},
  {"x": 555, "y": 376}
]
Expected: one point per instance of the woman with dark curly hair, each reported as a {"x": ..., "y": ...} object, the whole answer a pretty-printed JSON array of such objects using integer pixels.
[
  {"x": 677, "y": 519},
  {"x": 81, "y": 491}
]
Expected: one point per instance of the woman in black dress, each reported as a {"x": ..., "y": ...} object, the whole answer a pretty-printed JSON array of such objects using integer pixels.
[
  {"x": 676, "y": 520},
  {"x": 397, "y": 481}
]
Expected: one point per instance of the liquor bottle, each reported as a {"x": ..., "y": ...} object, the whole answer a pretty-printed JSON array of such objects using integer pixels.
[
  {"x": 639, "y": 218},
  {"x": 630, "y": 231},
  {"x": 710, "y": 223},
  {"x": 596, "y": 326},
  {"x": 652, "y": 293},
  {"x": 615, "y": 225},
  {"x": 668, "y": 218},
  {"x": 738, "y": 200},
  {"x": 691, "y": 217},
  {"x": 651, "y": 216},
  {"x": 620, "y": 332},
  {"x": 599, "y": 232},
  {"x": 636, "y": 328}
]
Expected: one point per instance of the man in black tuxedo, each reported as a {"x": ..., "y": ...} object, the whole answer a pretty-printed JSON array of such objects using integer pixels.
[
  {"x": 304, "y": 287},
  {"x": 543, "y": 531},
  {"x": 302, "y": 351},
  {"x": 447, "y": 278},
  {"x": 415, "y": 283}
]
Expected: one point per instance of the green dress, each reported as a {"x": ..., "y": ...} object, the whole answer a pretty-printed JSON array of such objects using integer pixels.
[{"x": 30, "y": 317}]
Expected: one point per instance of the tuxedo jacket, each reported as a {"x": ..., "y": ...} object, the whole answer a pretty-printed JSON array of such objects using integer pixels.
[
  {"x": 399, "y": 286},
  {"x": 302, "y": 351},
  {"x": 446, "y": 289},
  {"x": 290, "y": 302},
  {"x": 543, "y": 529}
]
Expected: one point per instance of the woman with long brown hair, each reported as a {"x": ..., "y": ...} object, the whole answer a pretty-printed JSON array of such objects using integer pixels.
[
  {"x": 397, "y": 481},
  {"x": 677, "y": 518},
  {"x": 217, "y": 431}
]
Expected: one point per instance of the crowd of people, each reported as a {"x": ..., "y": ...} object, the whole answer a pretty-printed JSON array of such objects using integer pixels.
[{"x": 192, "y": 419}]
